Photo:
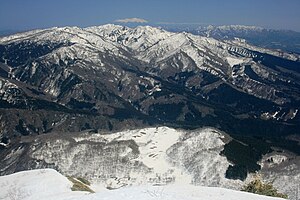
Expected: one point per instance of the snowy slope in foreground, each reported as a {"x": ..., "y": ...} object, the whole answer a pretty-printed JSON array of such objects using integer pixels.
[{"x": 49, "y": 184}]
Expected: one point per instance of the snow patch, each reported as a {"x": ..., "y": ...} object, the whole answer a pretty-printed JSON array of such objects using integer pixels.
[{"x": 234, "y": 61}]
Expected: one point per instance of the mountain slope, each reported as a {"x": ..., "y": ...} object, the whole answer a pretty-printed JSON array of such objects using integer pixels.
[
  {"x": 156, "y": 156},
  {"x": 146, "y": 75},
  {"x": 49, "y": 184}
]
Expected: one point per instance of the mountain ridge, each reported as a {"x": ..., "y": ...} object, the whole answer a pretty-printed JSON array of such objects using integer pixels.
[
  {"x": 141, "y": 67},
  {"x": 286, "y": 40}
]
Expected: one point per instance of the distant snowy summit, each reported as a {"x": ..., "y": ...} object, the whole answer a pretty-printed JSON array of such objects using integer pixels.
[
  {"x": 232, "y": 27},
  {"x": 48, "y": 184},
  {"x": 286, "y": 40}
]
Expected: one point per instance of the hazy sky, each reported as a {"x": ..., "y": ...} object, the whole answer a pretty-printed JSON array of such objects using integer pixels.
[{"x": 30, "y": 14}]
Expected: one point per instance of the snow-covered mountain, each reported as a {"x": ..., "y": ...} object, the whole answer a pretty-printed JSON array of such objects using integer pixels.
[
  {"x": 266, "y": 38},
  {"x": 112, "y": 78},
  {"x": 49, "y": 184},
  {"x": 114, "y": 72}
]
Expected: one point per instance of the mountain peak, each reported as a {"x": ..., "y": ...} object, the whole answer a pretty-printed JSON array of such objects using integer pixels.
[{"x": 239, "y": 27}]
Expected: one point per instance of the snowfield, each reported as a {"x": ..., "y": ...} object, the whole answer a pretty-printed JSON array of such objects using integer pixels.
[
  {"x": 157, "y": 156},
  {"x": 48, "y": 184}
]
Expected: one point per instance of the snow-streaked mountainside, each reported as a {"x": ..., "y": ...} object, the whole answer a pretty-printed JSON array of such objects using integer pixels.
[
  {"x": 47, "y": 184},
  {"x": 109, "y": 73},
  {"x": 149, "y": 156},
  {"x": 153, "y": 155}
]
